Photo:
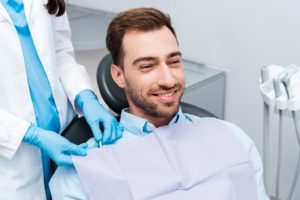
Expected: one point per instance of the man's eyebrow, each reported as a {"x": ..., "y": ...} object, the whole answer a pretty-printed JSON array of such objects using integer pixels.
[
  {"x": 149, "y": 58},
  {"x": 143, "y": 59},
  {"x": 177, "y": 53}
]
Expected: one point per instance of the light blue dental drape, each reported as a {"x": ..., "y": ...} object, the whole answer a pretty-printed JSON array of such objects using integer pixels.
[{"x": 40, "y": 90}]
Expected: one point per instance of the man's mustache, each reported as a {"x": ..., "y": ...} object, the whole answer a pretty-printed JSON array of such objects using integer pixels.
[{"x": 165, "y": 88}]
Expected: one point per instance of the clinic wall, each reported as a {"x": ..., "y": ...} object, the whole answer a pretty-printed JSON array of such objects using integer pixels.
[
  {"x": 239, "y": 37},
  {"x": 90, "y": 59}
]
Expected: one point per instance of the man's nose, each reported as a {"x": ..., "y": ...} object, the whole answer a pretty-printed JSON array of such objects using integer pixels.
[{"x": 166, "y": 77}]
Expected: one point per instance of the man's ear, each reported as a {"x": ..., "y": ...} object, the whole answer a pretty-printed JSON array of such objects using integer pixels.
[{"x": 117, "y": 75}]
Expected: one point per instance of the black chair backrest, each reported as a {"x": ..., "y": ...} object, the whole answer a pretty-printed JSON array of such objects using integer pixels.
[{"x": 195, "y": 110}]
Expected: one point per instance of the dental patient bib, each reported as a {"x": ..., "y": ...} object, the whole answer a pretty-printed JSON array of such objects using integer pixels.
[{"x": 184, "y": 161}]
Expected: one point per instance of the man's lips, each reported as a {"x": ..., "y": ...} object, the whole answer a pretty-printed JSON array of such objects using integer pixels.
[{"x": 166, "y": 95}]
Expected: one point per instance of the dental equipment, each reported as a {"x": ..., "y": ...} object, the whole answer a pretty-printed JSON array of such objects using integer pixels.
[
  {"x": 278, "y": 93},
  {"x": 279, "y": 90},
  {"x": 268, "y": 73},
  {"x": 266, "y": 135},
  {"x": 286, "y": 80}
]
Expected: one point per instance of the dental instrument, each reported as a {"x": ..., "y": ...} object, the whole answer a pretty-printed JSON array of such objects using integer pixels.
[{"x": 100, "y": 146}]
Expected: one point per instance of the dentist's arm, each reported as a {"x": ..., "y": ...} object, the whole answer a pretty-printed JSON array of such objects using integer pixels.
[{"x": 77, "y": 85}]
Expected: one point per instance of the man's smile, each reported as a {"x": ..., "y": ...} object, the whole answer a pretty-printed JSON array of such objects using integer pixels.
[{"x": 166, "y": 96}]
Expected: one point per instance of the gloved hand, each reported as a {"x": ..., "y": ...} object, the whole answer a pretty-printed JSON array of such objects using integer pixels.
[
  {"x": 58, "y": 148},
  {"x": 96, "y": 115}
]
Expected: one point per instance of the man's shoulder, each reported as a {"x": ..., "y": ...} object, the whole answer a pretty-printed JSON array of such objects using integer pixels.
[
  {"x": 234, "y": 129},
  {"x": 228, "y": 124}
]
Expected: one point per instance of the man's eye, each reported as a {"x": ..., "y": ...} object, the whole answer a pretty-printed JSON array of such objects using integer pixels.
[
  {"x": 175, "y": 62},
  {"x": 146, "y": 66}
]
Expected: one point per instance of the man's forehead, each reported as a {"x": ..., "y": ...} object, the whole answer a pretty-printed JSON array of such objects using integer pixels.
[{"x": 160, "y": 42}]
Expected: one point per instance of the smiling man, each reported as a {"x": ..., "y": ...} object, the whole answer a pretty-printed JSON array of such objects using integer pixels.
[
  {"x": 148, "y": 65},
  {"x": 153, "y": 77}
]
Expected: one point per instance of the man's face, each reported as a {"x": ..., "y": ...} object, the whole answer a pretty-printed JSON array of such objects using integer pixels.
[{"x": 152, "y": 73}]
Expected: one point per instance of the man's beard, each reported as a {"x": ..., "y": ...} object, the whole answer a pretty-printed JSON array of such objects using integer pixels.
[{"x": 150, "y": 108}]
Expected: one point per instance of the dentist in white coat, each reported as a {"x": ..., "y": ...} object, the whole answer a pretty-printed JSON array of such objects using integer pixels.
[{"x": 41, "y": 89}]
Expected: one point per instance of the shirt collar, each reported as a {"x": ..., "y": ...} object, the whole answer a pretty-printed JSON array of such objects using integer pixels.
[{"x": 141, "y": 126}]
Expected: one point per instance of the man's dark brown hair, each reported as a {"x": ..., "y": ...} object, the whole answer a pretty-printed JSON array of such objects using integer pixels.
[{"x": 140, "y": 19}]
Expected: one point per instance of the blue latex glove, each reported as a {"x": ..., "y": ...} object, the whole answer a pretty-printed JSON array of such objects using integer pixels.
[
  {"x": 95, "y": 115},
  {"x": 58, "y": 148}
]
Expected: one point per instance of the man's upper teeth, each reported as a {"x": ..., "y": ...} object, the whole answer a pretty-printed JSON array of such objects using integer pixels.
[{"x": 166, "y": 94}]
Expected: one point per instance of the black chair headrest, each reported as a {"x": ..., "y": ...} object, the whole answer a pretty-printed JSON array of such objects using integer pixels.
[{"x": 112, "y": 94}]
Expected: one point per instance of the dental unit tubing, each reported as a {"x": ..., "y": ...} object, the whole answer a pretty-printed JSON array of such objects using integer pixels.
[
  {"x": 278, "y": 93},
  {"x": 282, "y": 102},
  {"x": 280, "y": 88},
  {"x": 286, "y": 81}
]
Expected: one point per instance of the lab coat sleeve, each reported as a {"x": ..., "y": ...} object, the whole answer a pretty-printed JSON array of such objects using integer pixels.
[
  {"x": 65, "y": 184},
  {"x": 12, "y": 130},
  {"x": 255, "y": 157},
  {"x": 73, "y": 76}
]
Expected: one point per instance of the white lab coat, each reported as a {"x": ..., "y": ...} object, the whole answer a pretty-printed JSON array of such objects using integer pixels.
[{"x": 21, "y": 175}]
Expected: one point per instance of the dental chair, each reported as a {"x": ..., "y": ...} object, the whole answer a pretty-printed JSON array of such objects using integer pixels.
[{"x": 114, "y": 96}]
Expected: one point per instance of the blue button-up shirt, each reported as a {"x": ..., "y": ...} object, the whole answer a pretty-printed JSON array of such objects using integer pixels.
[{"x": 65, "y": 183}]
